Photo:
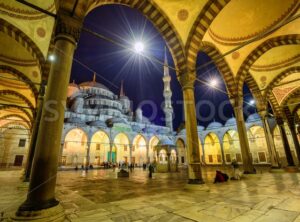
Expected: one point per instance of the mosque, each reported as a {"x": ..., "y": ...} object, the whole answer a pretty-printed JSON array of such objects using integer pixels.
[
  {"x": 88, "y": 139},
  {"x": 130, "y": 139},
  {"x": 48, "y": 123}
]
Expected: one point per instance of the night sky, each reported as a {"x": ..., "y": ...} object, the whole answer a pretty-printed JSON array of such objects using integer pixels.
[{"x": 142, "y": 77}]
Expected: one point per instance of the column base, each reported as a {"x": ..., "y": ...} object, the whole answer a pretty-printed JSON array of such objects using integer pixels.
[
  {"x": 53, "y": 214},
  {"x": 196, "y": 181},
  {"x": 291, "y": 169}
]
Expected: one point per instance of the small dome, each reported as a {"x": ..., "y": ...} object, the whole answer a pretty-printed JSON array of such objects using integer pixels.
[
  {"x": 94, "y": 85},
  {"x": 72, "y": 89},
  {"x": 230, "y": 122},
  {"x": 214, "y": 125},
  {"x": 253, "y": 118},
  {"x": 97, "y": 123},
  {"x": 200, "y": 128},
  {"x": 74, "y": 120},
  {"x": 166, "y": 141}
]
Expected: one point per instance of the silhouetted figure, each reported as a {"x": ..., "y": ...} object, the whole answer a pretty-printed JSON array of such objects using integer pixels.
[{"x": 151, "y": 169}]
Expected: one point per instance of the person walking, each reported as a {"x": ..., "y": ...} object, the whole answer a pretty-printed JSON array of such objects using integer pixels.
[{"x": 150, "y": 170}]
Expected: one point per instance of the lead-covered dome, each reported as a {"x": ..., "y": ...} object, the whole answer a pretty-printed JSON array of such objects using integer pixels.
[
  {"x": 166, "y": 142},
  {"x": 230, "y": 122},
  {"x": 73, "y": 88},
  {"x": 97, "y": 123},
  {"x": 214, "y": 125},
  {"x": 253, "y": 118},
  {"x": 94, "y": 85}
]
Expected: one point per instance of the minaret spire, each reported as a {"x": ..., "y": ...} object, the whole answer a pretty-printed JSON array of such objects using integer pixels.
[
  {"x": 168, "y": 109},
  {"x": 166, "y": 65},
  {"x": 94, "y": 77},
  {"x": 122, "y": 89}
]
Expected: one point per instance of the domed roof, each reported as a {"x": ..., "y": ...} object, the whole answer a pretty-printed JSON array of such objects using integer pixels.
[
  {"x": 73, "y": 84},
  {"x": 93, "y": 84},
  {"x": 166, "y": 141},
  {"x": 253, "y": 118},
  {"x": 200, "y": 128},
  {"x": 74, "y": 120},
  {"x": 214, "y": 125},
  {"x": 97, "y": 123},
  {"x": 72, "y": 89},
  {"x": 230, "y": 122}
]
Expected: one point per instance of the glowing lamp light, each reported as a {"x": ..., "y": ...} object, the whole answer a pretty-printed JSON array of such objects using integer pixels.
[
  {"x": 252, "y": 102},
  {"x": 51, "y": 58},
  {"x": 213, "y": 82},
  {"x": 139, "y": 47}
]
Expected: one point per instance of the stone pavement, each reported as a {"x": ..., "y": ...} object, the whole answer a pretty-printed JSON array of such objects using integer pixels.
[{"x": 99, "y": 196}]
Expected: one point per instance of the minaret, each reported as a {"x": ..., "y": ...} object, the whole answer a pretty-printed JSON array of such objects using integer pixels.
[
  {"x": 122, "y": 89},
  {"x": 168, "y": 109}
]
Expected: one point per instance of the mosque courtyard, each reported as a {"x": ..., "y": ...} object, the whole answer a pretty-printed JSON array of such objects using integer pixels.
[{"x": 99, "y": 195}]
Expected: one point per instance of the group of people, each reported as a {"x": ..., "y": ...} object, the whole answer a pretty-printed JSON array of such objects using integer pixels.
[
  {"x": 85, "y": 168},
  {"x": 223, "y": 177}
]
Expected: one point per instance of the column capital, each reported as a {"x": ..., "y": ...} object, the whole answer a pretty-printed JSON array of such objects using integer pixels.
[
  {"x": 67, "y": 28},
  {"x": 236, "y": 101},
  {"x": 187, "y": 80},
  {"x": 263, "y": 113}
]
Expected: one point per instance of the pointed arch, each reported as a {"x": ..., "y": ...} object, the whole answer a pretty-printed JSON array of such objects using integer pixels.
[
  {"x": 258, "y": 52},
  {"x": 100, "y": 144},
  {"x": 279, "y": 78},
  {"x": 159, "y": 19},
  {"x": 3, "y": 107},
  {"x": 212, "y": 51},
  {"x": 20, "y": 75},
  {"x": 26, "y": 42},
  {"x": 20, "y": 96},
  {"x": 7, "y": 117},
  {"x": 260, "y": 101},
  {"x": 200, "y": 27},
  {"x": 212, "y": 149}
]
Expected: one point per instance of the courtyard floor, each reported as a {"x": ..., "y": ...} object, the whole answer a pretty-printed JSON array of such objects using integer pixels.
[{"x": 99, "y": 195}]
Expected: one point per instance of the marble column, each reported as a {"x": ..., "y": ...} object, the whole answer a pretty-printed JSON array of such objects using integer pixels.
[
  {"x": 222, "y": 152},
  {"x": 41, "y": 202},
  {"x": 110, "y": 145},
  {"x": 285, "y": 142},
  {"x": 147, "y": 153},
  {"x": 295, "y": 140},
  {"x": 269, "y": 139},
  {"x": 61, "y": 153},
  {"x": 87, "y": 164},
  {"x": 130, "y": 153},
  {"x": 35, "y": 131},
  {"x": 192, "y": 141},
  {"x": 237, "y": 103},
  {"x": 203, "y": 151}
]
